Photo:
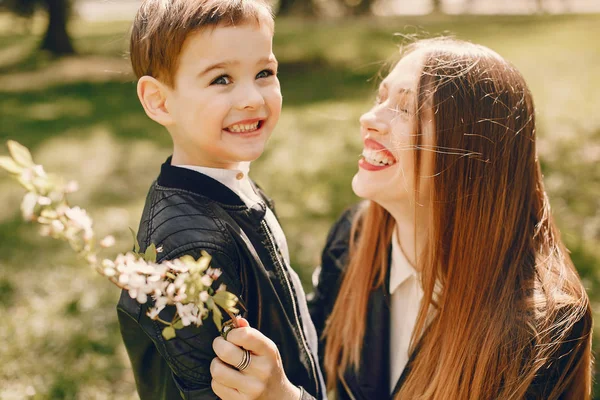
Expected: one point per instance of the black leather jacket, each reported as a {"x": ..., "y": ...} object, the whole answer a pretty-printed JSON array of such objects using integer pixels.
[
  {"x": 187, "y": 212},
  {"x": 372, "y": 380}
]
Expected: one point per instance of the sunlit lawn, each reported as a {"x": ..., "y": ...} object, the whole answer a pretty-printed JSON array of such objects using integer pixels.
[{"x": 82, "y": 119}]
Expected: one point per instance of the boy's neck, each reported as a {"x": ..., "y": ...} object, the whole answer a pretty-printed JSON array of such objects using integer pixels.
[{"x": 183, "y": 158}]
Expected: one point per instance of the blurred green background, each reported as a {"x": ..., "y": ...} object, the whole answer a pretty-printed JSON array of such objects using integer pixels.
[{"x": 80, "y": 116}]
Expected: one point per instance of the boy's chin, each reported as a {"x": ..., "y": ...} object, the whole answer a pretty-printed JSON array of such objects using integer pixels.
[{"x": 249, "y": 154}]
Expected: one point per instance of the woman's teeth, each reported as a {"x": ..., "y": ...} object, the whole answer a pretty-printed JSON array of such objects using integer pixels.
[
  {"x": 377, "y": 157},
  {"x": 243, "y": 127}
]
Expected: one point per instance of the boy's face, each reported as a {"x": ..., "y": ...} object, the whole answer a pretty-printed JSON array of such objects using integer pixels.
[{"x": 226, "y": 98}]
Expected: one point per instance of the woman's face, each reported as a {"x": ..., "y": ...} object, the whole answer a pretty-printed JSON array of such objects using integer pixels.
[{"x": 386, "y": 168}]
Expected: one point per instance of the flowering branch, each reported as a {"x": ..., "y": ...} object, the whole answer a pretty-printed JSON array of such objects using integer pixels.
[{"x": 185, "y": 283}]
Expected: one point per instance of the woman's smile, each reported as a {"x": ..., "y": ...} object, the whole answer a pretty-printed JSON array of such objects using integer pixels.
[{"x": 375, "y": 156}]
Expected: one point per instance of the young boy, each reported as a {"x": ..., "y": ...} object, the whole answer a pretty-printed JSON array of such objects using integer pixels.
[{"x": 208, "y": 75}]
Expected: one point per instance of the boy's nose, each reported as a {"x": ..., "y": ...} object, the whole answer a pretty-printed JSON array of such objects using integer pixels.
[
  {"x": 250, "y": 98},
  {"x": 370, "y": 122}
]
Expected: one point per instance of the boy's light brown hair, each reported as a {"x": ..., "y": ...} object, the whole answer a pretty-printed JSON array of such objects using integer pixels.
[{"x": 161, "y": 27}]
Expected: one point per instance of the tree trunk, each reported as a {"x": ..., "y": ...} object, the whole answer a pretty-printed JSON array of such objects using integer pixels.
[
  {"x": 57, "y": 40},
  {"x": 285, "y": 7},
  {"x": 363, "y": 8},
  {"x": 437, "y": 6},
  {"x": 539, "y": 5}
]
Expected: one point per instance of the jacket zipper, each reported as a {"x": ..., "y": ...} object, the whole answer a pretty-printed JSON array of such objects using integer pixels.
[{"x": 281, "y": 264}]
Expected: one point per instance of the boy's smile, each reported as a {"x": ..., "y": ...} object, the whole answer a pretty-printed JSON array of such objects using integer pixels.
[
  {"x": 226, "y": 98},
  {"x": 248, "y": 126}
]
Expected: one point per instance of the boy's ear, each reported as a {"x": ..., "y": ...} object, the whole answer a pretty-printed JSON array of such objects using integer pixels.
[{"x": 153, "y": 96}]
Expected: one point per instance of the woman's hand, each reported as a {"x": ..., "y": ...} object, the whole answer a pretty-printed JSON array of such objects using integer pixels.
[{"x": 263, "y": 377}]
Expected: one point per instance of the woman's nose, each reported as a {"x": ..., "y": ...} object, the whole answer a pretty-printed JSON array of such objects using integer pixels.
[{"x": 371, "y": 122}]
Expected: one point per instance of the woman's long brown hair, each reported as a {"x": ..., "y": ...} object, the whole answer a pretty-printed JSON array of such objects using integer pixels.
[{"x": 510, "y": 295}]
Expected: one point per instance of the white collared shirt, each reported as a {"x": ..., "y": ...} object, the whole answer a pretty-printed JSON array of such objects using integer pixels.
[
  {"x": 406, "y": 295},
  {"x": 237, "y": 180}
]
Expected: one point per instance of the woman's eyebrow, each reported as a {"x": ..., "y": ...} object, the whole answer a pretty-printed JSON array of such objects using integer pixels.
[
  {"x": 400, "y": 91},
  {"x": 406, "y": 91},
  {"x": 406, "y": 95}
]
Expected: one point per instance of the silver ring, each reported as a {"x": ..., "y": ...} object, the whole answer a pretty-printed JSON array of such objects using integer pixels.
[
  {"x": 246, "y": 358},
  {"x": 226, "y": 329}
]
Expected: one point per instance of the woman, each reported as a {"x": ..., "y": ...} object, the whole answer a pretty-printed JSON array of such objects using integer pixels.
[{"x": 450, "y": 281}]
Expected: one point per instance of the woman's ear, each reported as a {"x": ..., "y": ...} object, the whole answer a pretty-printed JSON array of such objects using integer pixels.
[{"x": 153, "y": 96}]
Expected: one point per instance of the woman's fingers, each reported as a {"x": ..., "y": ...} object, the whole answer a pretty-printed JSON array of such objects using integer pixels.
[
  {"x": 264, "y": 376},
  {"x": 232, "y": 378},
  {"x": 259, "y": 366},
  {"x": 251, "y": 339},
  {"x": 228, "y": 352},
  {"x": 224, "y": 392}
]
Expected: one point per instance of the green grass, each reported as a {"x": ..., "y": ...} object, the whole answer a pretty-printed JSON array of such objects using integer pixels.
[{"x": 81, "y": 118}]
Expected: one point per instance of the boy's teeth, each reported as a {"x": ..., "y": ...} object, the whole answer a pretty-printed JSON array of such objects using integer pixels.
[
  {"x": 376, "y": 158},
  {"x": 243, "y": 127}
]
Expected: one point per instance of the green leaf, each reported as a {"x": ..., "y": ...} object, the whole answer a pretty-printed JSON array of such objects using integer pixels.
[
  {"x": 226, "y": 300},
  {"x": 150, "y": 254},
  {"x": 20, "y": 154},
  {"x": 10, "y": 165},
  {"x": 168, "y": 333},
  {"x": 210, "y": 303},
  {"x": 136, "y": 244},
  {"x": 178, "y": 324},
  {"x": 217, "y": 318}
]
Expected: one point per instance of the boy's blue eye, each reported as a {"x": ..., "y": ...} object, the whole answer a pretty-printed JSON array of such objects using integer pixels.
[
  {"x": 265, "y": 73},
  {"x": 221, "y": 80}
]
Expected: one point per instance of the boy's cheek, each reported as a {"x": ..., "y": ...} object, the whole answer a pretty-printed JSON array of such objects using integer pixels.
[{"x": 277, "y": 95}]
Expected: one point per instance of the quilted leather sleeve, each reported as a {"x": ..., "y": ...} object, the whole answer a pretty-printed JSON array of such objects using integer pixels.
[{"x": 182, "y": 226}]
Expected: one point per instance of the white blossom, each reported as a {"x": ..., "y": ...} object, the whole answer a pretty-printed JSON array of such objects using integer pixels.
[
  {"x": 57, "y": 226},
  {"x": 182, "y": 283},
  {"x": 28, "y": 205},
  {"x": 213, "y": 273},
  {"x": 204, "y": 296},
  {"x": 142, "y": 298},
  {"x": 44, "y": 201},
  {"x": 108, "y": 241},
  {"x": 206, "y": 280},
  {"x": 71, "y": 187},
  {"x": 161, "y": 302},
  {"x": 92, "y": 259},
  {"x": 153, "y": 312},
  {"x": 188, "y": 313},
  {"x": 39, "y": 171},
  {"x": 79, "y": 218}
]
